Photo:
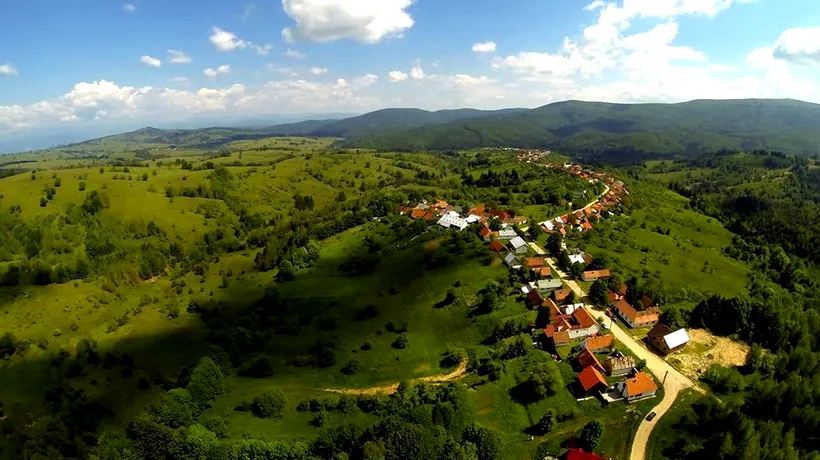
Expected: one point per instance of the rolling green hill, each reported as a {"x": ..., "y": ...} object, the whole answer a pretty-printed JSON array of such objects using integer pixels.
[{"x": 594, "y": 128}]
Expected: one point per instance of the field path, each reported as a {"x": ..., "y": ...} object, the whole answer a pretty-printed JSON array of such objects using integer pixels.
[
  {"x": 457, "y": 373},
  {"x": 673, "y": 381}
]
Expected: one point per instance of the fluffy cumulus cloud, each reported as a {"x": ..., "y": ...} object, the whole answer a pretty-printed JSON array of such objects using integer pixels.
[
  {"x": 178, "y": 57},
  {"x": 367, "y": 21},
  {"x": 7, "y": 70},
  {"x": 417, "y": 73},
  {"x": 486, "y": 47},
  {"x": 396, "y": 76},
  {"x": 799, "y": 46},
  {"x": 151, "y": 61},
  {"x": 228, "y": 41},
  {"x": 221, "y": 70}
]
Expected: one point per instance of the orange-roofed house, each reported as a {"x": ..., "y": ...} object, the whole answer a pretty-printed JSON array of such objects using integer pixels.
[
  {"x": 558, "y": 338},
  {"x": 535, "y": 298},
  {"x": 635, "y": 318},
  {"x": 543, "y": 272},
  {"x": 586, "y": 225},
  {"x": 535, "y": 262},
  {"x": 561, "y": 294},
  {"x": 418, "y": 213},
  {"x": 485, "y": 233},
  {"x": 599, "y": 344},
  {"x": 429, "y": 216},
  {"x": 592, "y": 275},
  {"x": 583, "y": 324},
  {"x": 587, "y": 359},
  {"x": 497, "y": 246},
  {"x": 591, "y": 380},
  {"x": 478, "y": 210},
  {"x": 638, "y": 387}
]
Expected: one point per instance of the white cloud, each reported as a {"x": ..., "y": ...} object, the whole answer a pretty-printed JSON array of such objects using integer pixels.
[
  {"x": 397, "y": 76},
  {"x": 221, "y": 70},
  {"x": 364, "y": 81},
  {"x": 799, "y": 46},
  {"x": 178, "y": 57},
  {"x": 262, "y": 50},
  {"x": 318, "y": 70},
  {"x": 151, "y": 61},
  {"x": 182, "y": 80},
  {"x": 129, "y": 7},
  {"x": 7, "y": 70},
  {"x": 69, "y": 118},
  {"x": 367, "y": 21},
  {"x": 292, "y": 53},
  {"x": 417, "y": 73},
  {"x": 226, "y": 41},
  {"x": 486, "y": 47}
]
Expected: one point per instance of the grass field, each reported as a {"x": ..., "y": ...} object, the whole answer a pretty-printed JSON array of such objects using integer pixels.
[
  {"x": 665, "y": 434},
  {"x": 687, "y": 263}
]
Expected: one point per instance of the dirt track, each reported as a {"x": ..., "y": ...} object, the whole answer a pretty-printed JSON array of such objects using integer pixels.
[{"x": 458, "y": 372}]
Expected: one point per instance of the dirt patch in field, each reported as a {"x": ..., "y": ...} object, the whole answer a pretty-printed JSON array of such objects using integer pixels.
[
  {"x": 457, "y": 373},
  {"x": 706, "y": 349},
  {"x": 431, "y": 245}
]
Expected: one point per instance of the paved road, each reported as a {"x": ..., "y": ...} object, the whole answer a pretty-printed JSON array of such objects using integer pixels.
[{"x": 673, "y": 381}]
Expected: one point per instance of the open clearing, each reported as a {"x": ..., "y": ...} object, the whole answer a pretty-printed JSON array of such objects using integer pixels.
[{"x": 706, "y": 349}]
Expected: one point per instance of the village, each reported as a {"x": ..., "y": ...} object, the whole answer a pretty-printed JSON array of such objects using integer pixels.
[{"x": 565, "y": 327}]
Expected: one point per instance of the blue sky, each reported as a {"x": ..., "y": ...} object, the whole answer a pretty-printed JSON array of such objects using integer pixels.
[{"x": 93, "y": 64}]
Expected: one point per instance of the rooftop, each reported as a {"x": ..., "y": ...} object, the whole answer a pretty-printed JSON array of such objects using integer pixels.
[
  {"x": 590, "y": 378},
  {"x": 640, "y": 384},
  {"x": 600, "y": 342}
]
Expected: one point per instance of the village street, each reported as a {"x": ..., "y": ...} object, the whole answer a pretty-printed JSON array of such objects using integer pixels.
[{"x": 673, "y": 381}]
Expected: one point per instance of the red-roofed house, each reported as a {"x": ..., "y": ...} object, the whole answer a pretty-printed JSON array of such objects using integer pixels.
[
  {"x": 561, "y": 294},
  {"x": 535, "y": 262},
  {"x": 587, "y": 359},
  {"x": 591, "y": 380},
  {"x": 497, "y": 246},
  {"x": 578, "y": 454},
  {"x": 485, "y": 232},
  {"x": 584, "y": 325},
  {"x": 586, "y": 225},
  {"x": 558, "y": 338},
  {"x": 535, "y": 298},
  {"x": 429, "y": 216}
]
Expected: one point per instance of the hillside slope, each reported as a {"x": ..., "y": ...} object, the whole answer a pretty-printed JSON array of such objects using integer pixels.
[{"x": 597, "y": 127}]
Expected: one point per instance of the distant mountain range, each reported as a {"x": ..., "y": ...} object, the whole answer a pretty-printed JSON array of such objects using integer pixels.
[
  {"x": 596, "y": 128},
  {"x": 588, "y": 129}
]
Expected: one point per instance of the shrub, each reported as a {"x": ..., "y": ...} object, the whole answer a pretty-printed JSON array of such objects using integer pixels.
[
  {"x": 401, "y": 342},
  {"x": 352, "y": 367},
  {"x": 321, "y": 419},
  {"x": 81, "y": 186},
  {"x": 260, "y": 368},
  {"x": 366, "y": 345},
  {"x": 269, "y": 405},
  {"x": 591, "y": 435}
]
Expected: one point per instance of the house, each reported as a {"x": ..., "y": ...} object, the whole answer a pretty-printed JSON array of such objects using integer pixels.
[
  {"x": 584, "y": 325},
  {"x": 507, "y": 234},
  {"x": 429, "y": 216},
  {"x": 562, "y": 294},
  {"x": 586, "y": 225},
  {"x": 579, "y": 454},
  {"x": 570, "y": 308},
  {"x": 619, "y": 365},
  {"x": 577, "y": 259},
  {"x": 635, "y": 318},
  {"x": 519, "y": 246},
  {"x": 647, "y": 303},
  {"x": 587, "y": 359},
  {"x": 546, "y": 285},
  {"x": 548, "y": 226},
  {"x": 592, "y": 275},
  {"x": 666, "y": 341},
  {"x": 558, "y": 338},
  {"x": 535, "y": 262},
  {"x": 543, "y": 272},
  {"x": 638, "y": 387},
  {"x": 591, "y": 380},
  {"x": 417, "y": 213},
  {"x": 452, "y": 220},
  {"x": 535, "y": 298},
  {"x": 599, "y": 344},
  {"x": 512, "y": 261},
  {"x": 486, "y": 233},
  {"x": 497, "y": 246}
]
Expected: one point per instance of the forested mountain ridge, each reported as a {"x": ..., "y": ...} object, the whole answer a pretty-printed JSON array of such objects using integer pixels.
[
  {"x": 369, "y": 124},
  {"x": 595, "y": 128}
]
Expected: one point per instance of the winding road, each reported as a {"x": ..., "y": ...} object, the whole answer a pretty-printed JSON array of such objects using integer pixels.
[{"x": 673, "y": 381}]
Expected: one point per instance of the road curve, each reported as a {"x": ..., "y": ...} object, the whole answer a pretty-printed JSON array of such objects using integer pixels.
[{"x": 673, "y": 381}]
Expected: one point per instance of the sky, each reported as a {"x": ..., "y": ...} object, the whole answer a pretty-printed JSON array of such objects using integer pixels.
[{"x": 93, "y": 65}]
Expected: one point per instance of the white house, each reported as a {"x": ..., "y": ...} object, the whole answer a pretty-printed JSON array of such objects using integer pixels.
[
  {"x": 577, "y": 259},
  {"x": 549, "y": 225},
  {"x": 512, "y": 261},
  {"x": 452, "y": 220},
  {"x": 519, "y": 245},
  {"x": 506, "y": 234}
]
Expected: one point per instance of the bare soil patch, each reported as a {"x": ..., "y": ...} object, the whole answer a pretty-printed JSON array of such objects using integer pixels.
[{"x": 706, "y": 349}]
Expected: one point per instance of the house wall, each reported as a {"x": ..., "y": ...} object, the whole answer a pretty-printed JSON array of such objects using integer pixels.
[
  {"x": 576, "y": 333},
  {"x": 617, "y": 372},
  {"x": 641, "y": 396}
]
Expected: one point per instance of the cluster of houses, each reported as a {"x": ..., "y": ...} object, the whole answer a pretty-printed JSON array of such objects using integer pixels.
[
  {"x": 646, "y": 313},
  {"x": 452, "y": 217}
]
